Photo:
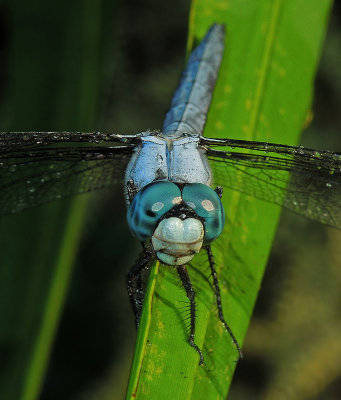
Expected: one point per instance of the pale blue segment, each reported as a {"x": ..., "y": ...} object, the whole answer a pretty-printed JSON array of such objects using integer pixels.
[{"x": 192, "y": 98}]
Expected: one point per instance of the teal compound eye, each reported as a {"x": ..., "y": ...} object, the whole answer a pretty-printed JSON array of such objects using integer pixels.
[
  {"x": 207, "y": 205},
  {"x": 149, "y": 205}
]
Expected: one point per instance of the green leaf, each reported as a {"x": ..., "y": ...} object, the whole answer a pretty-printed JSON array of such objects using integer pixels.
[
  {"x": 53, "y": 84},
  {"x": 264, "y": 92}
]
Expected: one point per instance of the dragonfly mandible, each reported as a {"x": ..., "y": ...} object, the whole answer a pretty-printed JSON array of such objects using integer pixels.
[{"x": 173, "y": 178}]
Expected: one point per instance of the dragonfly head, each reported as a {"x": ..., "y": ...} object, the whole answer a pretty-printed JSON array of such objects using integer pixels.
[{"x": 178, "y": 219}]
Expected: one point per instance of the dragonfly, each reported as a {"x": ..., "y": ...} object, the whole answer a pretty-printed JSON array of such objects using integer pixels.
[{"x": 173, "y": 178}]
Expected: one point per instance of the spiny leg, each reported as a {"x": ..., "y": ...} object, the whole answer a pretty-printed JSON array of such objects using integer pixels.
[
  {"x": 134, "y": 283},
  {"x": 186, "y": 283},
  {"x": 218, "y": 299},
  {"x": 131, "y": 190}
]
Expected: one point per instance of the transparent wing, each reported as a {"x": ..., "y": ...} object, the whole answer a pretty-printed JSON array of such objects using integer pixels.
[
  {"x": 303, "y": 180},
  {"x": 37, "y": 167}
]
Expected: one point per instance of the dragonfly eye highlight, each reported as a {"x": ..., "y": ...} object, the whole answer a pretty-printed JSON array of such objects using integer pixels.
[
  {"x": 149, "y": 205},
  {"x": 207, "y": 205}
]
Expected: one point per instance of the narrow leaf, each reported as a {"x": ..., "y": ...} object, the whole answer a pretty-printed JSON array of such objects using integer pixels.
[{"x": 264, "y": 92}]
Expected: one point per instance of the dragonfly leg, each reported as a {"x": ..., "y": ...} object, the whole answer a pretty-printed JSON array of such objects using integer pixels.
[
  {"x": 184, "y": 277},
  {"x": 218, "y": 300},
  {"x": 131, "y": 190},
  {"x": 219, "y": 191},
  {"x": 134, "y": 283}
]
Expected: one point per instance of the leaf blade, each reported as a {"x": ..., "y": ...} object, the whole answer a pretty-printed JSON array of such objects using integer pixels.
[{"x": 263, "y": 92}]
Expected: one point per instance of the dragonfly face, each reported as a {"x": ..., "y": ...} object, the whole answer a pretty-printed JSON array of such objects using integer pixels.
[{"x": 177, "y": 219}]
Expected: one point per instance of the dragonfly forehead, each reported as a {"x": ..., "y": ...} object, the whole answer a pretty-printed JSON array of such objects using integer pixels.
[{"x": 176, "y": 241}]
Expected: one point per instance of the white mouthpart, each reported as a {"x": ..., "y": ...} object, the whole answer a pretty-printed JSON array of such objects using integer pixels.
[{"x": 176, "y": 241}]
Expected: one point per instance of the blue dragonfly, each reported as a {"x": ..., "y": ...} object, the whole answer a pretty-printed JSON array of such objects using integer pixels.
[{"x": 173, "y": 178}]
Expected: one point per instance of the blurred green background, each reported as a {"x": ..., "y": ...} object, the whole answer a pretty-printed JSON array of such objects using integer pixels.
[{"x": 113, "y": 66}]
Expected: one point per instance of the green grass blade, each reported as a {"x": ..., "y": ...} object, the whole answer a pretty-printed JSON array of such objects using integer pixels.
[
  {"x": 264, "y": 92},
  {"x": 54, "y": 302},
  {"x": 53, "y": 84}
]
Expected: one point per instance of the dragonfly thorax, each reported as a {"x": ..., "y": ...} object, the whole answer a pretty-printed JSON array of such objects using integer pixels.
[
  {"x": 178, "y": 159},
  {"x": 177, "y": 219}
]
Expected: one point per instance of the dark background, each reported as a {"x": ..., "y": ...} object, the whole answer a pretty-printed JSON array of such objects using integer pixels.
[{"x": 140, "y": 57}]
